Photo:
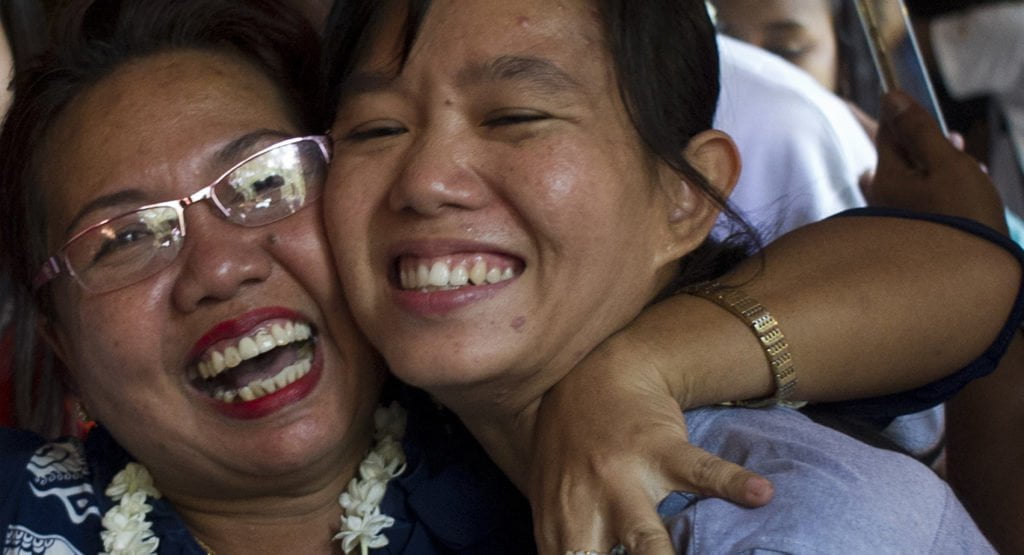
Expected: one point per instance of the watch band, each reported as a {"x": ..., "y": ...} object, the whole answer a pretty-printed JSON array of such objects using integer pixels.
[{"x": 769, "y": 335}]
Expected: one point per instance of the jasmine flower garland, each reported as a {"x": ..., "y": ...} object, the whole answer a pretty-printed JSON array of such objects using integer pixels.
[
  {"x": 125, "y": 528},
  {"x": 127, "y": 532}
]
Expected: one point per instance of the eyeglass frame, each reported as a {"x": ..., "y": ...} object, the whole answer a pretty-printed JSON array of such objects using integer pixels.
[{"x": 58, "y": 262}]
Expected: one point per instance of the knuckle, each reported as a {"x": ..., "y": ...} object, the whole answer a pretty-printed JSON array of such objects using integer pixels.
[
  {"x": 646, "y": 539},
  {"x": 709, "y": 472}
]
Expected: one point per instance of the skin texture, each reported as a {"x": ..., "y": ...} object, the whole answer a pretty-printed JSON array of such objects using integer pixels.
[
  {"x": 156, "y": 127},
  {"x": 801, "y": 31}
]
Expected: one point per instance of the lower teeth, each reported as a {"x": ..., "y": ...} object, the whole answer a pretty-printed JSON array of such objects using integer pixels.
[{"x": 261, "y": 388}]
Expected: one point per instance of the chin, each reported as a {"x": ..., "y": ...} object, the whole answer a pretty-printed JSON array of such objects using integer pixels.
[{"x": 435, "y": 369}]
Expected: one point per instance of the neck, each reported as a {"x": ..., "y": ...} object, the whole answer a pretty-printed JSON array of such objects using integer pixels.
[
  {"x": 295, "y": 511},
  {"x": 502, "y": 415},
  {"x": 298, "y": 522}
]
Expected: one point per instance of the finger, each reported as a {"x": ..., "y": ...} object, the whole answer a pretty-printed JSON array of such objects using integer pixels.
[
  {"x": 632, "y": 521},
  {"x": 957, "y": 140},
  {"x": 589, "y": 530},
  {"x": 894, "y": 162},
  {"x": 914, "y": 130},
  {"x": 715, "y": 477},
  {"x": 640, "y": 529}
]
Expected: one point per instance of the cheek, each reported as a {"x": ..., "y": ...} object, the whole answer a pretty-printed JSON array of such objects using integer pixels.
[
  {"x": 586, "y": 196},
  {"x": 105, "y": 336},
  {"x": 300, "y": 246},
  {"x": 354, "y": 189}
]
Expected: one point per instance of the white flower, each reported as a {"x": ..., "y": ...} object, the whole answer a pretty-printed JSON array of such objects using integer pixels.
[
  {"x": 133, "y": 478},
  {"x": 126, "y": 532},
  {"x": 362, "y": 524},
  {"x": 135, "y": 503},
  {"x": 362, "y": 498},
  {"x": 364, "y": 531}
]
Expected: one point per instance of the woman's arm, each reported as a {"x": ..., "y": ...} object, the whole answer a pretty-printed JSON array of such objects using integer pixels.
[
  {"x": 984, "y": 453},
  {"x": 869, "y": 306}
]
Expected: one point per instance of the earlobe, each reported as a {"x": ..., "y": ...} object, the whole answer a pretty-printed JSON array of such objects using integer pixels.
[{"x": 691, "y": 213}]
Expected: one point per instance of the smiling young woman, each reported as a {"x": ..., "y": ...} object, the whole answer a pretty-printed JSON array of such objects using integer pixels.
[{"x": 522, "y": 137}]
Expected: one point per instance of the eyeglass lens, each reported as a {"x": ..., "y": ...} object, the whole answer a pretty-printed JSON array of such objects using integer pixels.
[{"x": 134, "y": 246}]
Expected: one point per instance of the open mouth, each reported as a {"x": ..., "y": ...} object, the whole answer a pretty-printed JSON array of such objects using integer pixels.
[
  {"x": 269, "y": 358},
  {"x": 454, "y": 272}
]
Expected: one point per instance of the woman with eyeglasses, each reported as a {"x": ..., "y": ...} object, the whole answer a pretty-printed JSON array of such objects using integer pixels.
[{"x": 163, "y": 174}]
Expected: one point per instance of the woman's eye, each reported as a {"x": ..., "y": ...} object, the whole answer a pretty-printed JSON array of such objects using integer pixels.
[
  {"x": 514, "y": 118},
  {"x": 375, "y": 131},
  {"x": 790, "y": 51},
  {"x": 123, "y": 242}
]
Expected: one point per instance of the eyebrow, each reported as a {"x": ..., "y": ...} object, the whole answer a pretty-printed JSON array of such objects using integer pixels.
[
  {"x": 540, "y": 73},
  {"x": 363, "y": 82},
  {"x": 241, "y": 147},
  {"x": 126, "y": 196},
  {"x": 230, "y": 153},
  {"x": 785, "y": 25}
]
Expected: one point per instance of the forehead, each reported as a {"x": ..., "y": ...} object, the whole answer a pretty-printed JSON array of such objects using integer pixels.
[
  {"x": 762, "y": 13},
  {"x": 151, "y": 121},
  {"x": 455, "y": 32}
]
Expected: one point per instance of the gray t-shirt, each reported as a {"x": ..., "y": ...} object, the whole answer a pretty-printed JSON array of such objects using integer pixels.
[{"x": 833, "y": 494}]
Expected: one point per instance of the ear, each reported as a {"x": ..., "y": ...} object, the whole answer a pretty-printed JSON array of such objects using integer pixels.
[{"x": 690, "y": 213}]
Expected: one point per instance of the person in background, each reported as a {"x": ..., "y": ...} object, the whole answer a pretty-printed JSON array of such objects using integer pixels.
[
  {"x": 804, "y": 153},
  {"x": 824, "y": 37}
]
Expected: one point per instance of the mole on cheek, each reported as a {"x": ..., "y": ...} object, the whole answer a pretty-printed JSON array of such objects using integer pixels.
[
  {"x": 518, "y": 323},
  {"x": 448, "y": 102}
]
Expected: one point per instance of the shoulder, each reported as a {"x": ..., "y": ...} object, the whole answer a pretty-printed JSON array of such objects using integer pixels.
[
  {"x": 832, "y": 493},
  {"x": 46, "y": 497}
]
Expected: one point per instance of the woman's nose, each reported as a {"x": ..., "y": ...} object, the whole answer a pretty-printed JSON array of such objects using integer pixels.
[
  {"x": 438, "y": 175},
  {"x": 219, "y": 259}
]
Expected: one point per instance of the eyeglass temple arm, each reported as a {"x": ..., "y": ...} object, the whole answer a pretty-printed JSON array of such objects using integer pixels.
[{"x": 49, "y": 271}]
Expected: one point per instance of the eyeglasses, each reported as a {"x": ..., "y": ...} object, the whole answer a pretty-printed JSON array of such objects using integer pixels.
[{"x": 268, "y": 186}]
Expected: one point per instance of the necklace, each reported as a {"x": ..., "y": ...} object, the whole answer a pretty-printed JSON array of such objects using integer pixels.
[{"x": 126, "y": 530}]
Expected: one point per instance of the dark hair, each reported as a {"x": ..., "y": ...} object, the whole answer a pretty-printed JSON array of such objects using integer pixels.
[
  {"x": 90, "y": 39},
  {"x": 666, "y": 62}
]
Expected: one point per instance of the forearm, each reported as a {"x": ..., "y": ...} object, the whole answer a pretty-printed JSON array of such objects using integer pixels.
[
  {"x": 984, "y": 452},
  {"x": 869, "y": 306}
]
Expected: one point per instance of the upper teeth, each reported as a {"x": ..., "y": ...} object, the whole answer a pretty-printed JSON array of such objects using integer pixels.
[
  {"x": 446, "y": 274},
  {"x": 252, "y": 346}
]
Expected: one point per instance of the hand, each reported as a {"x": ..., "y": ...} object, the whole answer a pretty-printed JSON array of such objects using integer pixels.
[
  {"x": 610, "y": 444},
  {"x": 919, "y": 169}
]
